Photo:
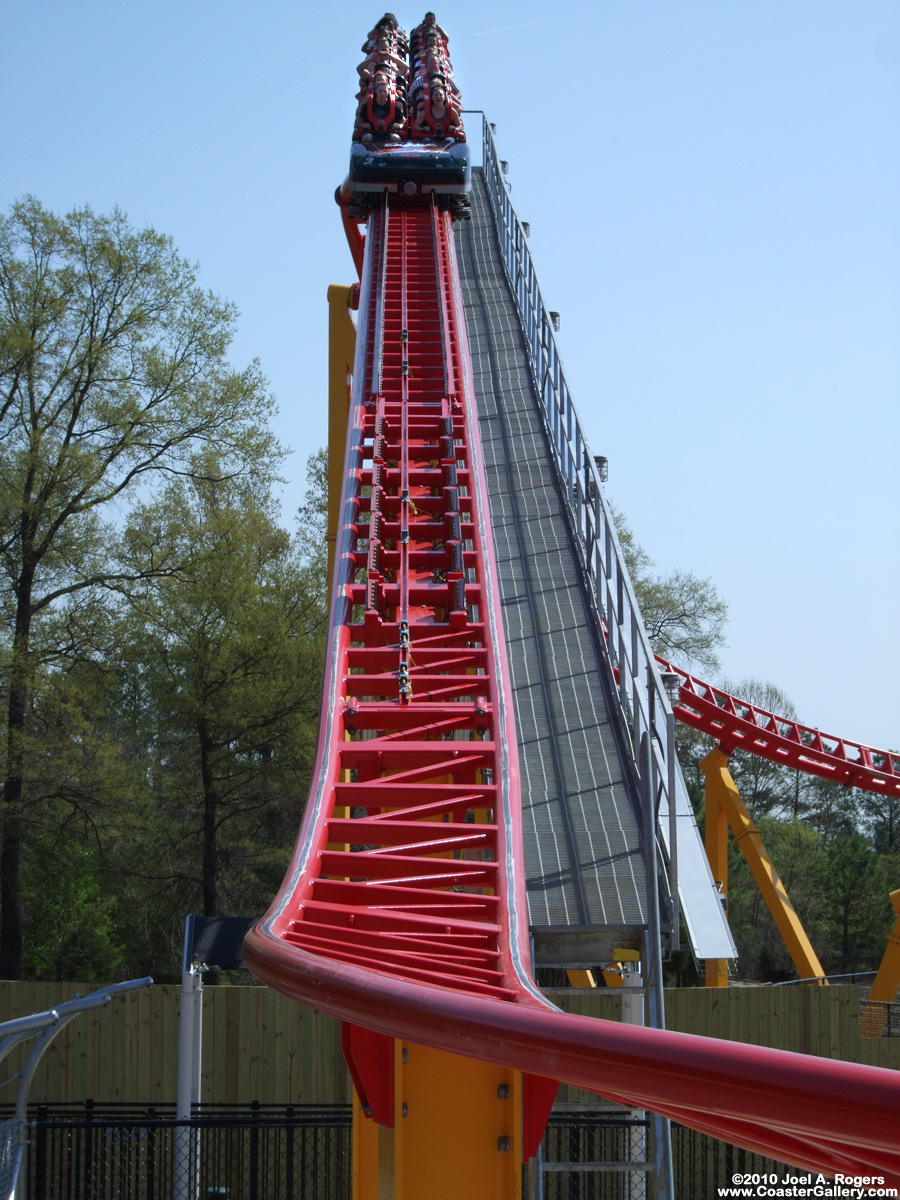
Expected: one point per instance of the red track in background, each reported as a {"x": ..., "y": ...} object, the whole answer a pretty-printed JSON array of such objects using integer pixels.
[
  {"x": 403, "y": 911},
  {"x": 739, "y": 725}
]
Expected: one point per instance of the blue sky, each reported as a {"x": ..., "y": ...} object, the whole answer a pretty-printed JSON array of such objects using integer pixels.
[{"x": 712, "y": 187}]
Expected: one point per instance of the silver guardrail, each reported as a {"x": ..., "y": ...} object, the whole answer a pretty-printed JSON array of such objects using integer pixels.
[
  {"x": 645, "y": 705},
  {"x": 48, "y": 1025}
]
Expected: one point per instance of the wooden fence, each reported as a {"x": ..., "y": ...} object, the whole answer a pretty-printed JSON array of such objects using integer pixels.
[
  {"x": 259, "y": 1045},
  {"x": 810, "y": 1020}
]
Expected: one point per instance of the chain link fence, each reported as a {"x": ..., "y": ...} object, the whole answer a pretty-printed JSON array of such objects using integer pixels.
[
  {"x": 254, "y": 1152},
  {"x": 277, "y": 1152},
  {"x": 703, "y": 1164},
  {"x": 9, "y": 1131},
  {"x": 877, "y": 1018},
  {"x": 596, "y": 1155}
]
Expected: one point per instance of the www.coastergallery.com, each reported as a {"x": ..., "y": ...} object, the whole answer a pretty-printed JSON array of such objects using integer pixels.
[{"x": 858, "y": 1186}]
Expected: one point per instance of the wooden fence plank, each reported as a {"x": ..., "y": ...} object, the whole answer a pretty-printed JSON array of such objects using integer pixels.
[{"x": 260, "y": 1045}]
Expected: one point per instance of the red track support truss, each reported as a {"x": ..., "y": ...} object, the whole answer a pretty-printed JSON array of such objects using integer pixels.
[
  {"x": 407, "y": 864},
  {"x": 739, "y": 725},
  {"x": 409, "y": 876},
  {"x": 403, "y": 910}
]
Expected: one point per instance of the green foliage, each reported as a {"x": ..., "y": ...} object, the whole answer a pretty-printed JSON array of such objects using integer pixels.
[
  {"x": 684, "y": 616},
  {"x": 71, "y": 928},
  {"x": 798, "y": 855},
  {"x": 167, "y": 757},
  {"x": 880, "y": 816},
  {"x": 837, "y": 884},
  {"x": 831, "y": 846},
  {"x": 76, "y": 782},
  {"x": 112, "y": 369},
  {"x": 857, "y": 916},
  {"x": 114, "y": 378},
  {"x": 312, "y": 516},
  {"x": 222, "y": 658}
]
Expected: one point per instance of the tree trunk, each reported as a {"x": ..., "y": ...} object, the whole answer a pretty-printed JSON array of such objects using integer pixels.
[
  {"x": 210, "y": 810},
  {"x": 11, "y": 940}
]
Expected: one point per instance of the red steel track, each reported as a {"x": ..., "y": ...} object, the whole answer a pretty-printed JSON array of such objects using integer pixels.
[
  {"x": 403, "y": 911},
  {"x": 739, "y": 725}
]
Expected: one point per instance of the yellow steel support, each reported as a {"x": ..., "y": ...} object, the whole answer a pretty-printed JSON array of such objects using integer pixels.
[
  {"x": 366, "y": 1137},
  {"x": 457, "y": 1127},
  {"x": 717, "y": 852},
  {"x": 457, "y": 1132},
  {"x": 341, "y": 351},
  {"x": 884, "y": 989},
  {"x": 581, "y": 979},
  {"x": 457, "y": 1122},
  {"x": 722, "y": 792},
  {"x": 614, "y": 972}
]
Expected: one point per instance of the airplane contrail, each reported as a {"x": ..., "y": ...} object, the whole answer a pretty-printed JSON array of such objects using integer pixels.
[{"x": 506, "y": 28}]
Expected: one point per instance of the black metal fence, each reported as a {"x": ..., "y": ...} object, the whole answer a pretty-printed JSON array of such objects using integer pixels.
[
  {"x": 703, "y": 1164},
  {"x": 277, "y": 1152},
  {"x": 597, "y": 1155},
  {"x": 878, "y": 1018},
  {"x": 255, "y": 1152},
  {"x": 611, "y": 1156}
]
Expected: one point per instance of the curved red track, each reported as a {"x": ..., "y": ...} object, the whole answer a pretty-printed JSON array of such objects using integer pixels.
[
  {"x": 739, "y": 725},
  {"x": 403, "y": 910}
]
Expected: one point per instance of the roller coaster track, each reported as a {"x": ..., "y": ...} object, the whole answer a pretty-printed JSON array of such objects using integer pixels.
[
  {"x": 739, "y": 725},
  {"x": 403, "y": 909}
]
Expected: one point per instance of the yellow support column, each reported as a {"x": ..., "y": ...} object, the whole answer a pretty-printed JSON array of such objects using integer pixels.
[
  {"x": 613, "y": 973},
  {"x": 581, "y": 979},
  {"x": 341, "y": 352},
  {"x": 716, "y": 838},
  {"x": 721, "y": 790},
  {"x": 884, "y": 989},
  {"x": 457, "y": 1132},
  {"x": 366, "y": 1136}
]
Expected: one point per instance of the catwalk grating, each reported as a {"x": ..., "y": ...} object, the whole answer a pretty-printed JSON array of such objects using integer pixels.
[
  {"x": 403, "y": 911},
  {"x": 583, "y": 858}
]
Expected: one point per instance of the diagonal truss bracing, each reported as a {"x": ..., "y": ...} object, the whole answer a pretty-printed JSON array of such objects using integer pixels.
[
  {"x": 413, "y": 851},
  {"x": 403, "y": 909},
  {"x": 741, "y": 725}
]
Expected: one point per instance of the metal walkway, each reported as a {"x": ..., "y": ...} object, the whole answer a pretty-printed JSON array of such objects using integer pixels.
[
  {"x": 403, "y": 911},
  {"x": 583, "y": 858}
]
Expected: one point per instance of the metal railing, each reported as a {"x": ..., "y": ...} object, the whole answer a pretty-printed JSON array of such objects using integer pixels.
[
  {"x": 47, "y": 1025},
  {"x": 303, "y": 1152},
  {"x": 644, "y": 704},
  {"x": 640, "y": 687},
  {"x": 648, "y": 721},
  {"x": 9, "y": 1139},
  {"x": 704, "y": 1164},
  {"x": 246, "y": 1152},
  {"x": 595, "y": 1154}
]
